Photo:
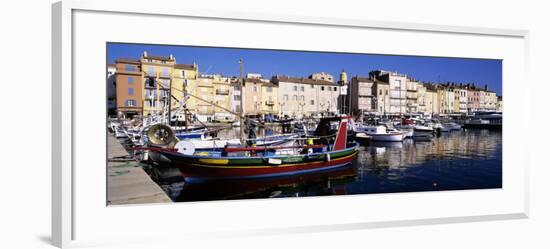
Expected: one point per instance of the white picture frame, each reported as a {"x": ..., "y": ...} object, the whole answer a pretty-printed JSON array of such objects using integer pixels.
[{"x": 67, "y": 165}]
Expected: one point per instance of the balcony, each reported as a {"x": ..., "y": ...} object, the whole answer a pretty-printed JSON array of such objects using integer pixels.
[
  {"x": 222, "y": 92},
  {"x": 269, "y": 102}
]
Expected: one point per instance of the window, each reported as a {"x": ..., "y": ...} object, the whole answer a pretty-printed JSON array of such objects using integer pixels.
[
  {"x": 312, "y": 102},
  {"x": 302, "y": 88},
  {"x": 295, "y": 88},
  {"x": 130, "y": 80},
  {"x": 269, "y": 89},
  {"x": 238, "y": 88},
  {"x": 236, "y": 97},
  {"x": 130, "y": 102},
  {"x": 285, "y": 97},
  {"x": 129, "y": 68},
  {"x": 151, "y": 71},
  {"x": 131, "y": 91},
  {"x": 165, "y": 72},
  {"x": 380, "y": 92},
  {"x": 386, "y": 91},
  {"x": 302, "y": 98},
  {"x": 322, "y": 88},
  {"x": 335, "y": 89},
  {"x": 312, "y": 86},
  {"x": 295, "y": 97},
  {"x": 255, "y": 88}
]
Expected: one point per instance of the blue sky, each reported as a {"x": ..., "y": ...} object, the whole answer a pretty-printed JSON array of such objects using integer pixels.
[{"x": 302, "y": 64}]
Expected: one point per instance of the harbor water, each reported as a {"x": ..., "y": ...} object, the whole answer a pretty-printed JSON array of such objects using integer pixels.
[{"x": 466, "y": 159}]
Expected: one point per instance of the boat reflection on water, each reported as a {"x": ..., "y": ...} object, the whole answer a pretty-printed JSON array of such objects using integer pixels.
[{"x": 315, "y": 184}]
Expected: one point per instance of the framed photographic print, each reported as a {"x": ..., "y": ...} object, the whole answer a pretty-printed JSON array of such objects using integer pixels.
[{"x": 246, "y": 122}]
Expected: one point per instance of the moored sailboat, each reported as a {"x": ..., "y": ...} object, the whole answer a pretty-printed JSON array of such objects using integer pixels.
[{"x": 245, "y": 162}]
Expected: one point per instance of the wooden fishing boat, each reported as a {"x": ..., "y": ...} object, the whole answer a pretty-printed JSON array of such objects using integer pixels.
[{"x": 253, "y": 162}]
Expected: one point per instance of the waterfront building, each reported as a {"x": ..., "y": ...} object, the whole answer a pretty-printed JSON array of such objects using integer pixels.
[
  {"x": 473, "y": 99},
  {"x": 431, "y": 100},
  {"x": 382, "y": 97},
  {"x": 461, "y": 99},
  {"x": 446, "y": 100},
  {"x": 184, "y": 80},
  {"x": 398, "y": 89},
  {"x": 204, "y": 89},
  {"x": 253, "y": 95},
  {"x": 482, "y": 104},
  {"x": 157, "y": 80},
  {"x": 491, "y": 101},
  {"x": 221, "y": 96},
  {"x": 129, "y": 85},
  {"x": 269, "y": 101},
  {"x": 111, "y": 89},
  {"x": 499, "y": 104},
  {"x": 327, "y": 95},
  {"x": 411, "y": 96},
  {"x": 421, "y": 98},
  {"x": 361, "y": 95},
  {"x": 306, "y": 96},
  {"x": 235, "y": 93}
]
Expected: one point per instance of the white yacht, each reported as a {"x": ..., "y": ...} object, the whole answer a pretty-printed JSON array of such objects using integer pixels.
[{"x": 380, "y": 133}]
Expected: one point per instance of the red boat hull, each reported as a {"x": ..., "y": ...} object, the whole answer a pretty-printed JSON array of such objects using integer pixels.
[{"x": 201, "y": 172}]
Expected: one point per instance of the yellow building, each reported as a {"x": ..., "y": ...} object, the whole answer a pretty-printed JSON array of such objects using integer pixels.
[
  {"x": 157, "y": 79},
  {"x": 253, "y": 95},
  {"x": 431, "y": 100},
  {"x": 221, "y": 93},
  {"x": 269, "y": 101},
  {"x": 491, "y": 101},
  {"x": 204, "y": 89},
  {"x": 446, "y": 100},
  {"x": 184, "y": 79}
]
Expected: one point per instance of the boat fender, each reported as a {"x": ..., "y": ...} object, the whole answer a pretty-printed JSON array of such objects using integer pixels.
[{"x": 328, "y": 157}]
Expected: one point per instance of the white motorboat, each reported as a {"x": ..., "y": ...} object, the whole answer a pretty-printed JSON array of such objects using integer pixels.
[
  {"x": 453, "y": 126},
  {"x": 380, "y": 133},
  {"x": 423, "y": 132},
  {"x": 408, "y": 131},
  {"x": 441, "y": 128},
  {"x": 362, "y": 138}
]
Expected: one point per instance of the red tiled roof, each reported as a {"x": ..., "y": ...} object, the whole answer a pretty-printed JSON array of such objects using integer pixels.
[{"x": 123, "y": 60}]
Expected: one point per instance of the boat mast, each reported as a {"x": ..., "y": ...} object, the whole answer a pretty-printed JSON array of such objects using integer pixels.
[
  {"x": 242, "y": 112},
  {"x": 157, "y": 95}
]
